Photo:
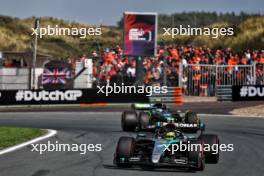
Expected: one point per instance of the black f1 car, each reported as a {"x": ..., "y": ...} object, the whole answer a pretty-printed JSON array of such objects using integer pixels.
[
  {"x": 155, "y": 150},
  {"x": 150, "y": 116}
]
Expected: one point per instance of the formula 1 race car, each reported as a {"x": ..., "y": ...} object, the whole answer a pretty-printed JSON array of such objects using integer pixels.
[
  {"x": 158, "y": 150},
  {"x": 150, "y": 116}
]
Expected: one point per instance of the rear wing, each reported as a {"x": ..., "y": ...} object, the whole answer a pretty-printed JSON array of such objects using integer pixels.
[
  {"x": 184, "y": 126},
  {"x": 141, "y": 106}
]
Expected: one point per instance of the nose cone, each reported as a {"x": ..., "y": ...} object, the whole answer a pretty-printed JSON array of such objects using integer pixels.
[
  {"x": 157, "y": 151},
  {"x": 155, "y": 158}
]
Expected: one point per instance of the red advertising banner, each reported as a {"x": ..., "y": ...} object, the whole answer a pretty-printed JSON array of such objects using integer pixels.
[{"x": 140, "y": 34}]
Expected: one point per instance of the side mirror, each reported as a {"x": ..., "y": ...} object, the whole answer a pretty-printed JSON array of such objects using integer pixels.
[{"x": 202, "y": 126}]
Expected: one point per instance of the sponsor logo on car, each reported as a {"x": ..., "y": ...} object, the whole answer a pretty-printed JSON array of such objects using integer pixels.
[{"x": 182, "y": 125}]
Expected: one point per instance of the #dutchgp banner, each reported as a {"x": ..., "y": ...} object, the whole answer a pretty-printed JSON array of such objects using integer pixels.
[
  {"x": 140, "y": 34},
  {"x": 248, "y": 93}
]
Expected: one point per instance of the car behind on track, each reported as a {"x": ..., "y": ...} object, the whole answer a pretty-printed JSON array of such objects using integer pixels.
[{"x": 149, "y": 116}]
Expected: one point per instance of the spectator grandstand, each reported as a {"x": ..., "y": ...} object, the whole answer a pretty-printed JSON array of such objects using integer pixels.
[{"x": 112, "y": 66}]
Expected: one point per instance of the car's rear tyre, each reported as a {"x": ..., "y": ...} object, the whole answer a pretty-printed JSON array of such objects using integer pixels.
[
  {"x": 129, "y": 121},
  {"x": 211, "y": 140},
  {"x": 143, "y": 119},
  {"x": 125, "y": 149},
  {"x": 197, "y": 156}
]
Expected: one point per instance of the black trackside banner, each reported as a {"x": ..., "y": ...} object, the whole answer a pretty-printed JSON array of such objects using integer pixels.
[
  {"x": 75, "y": 96},
  {"x": 248, "y": 93},
  {"x": 140, "y": 34}
]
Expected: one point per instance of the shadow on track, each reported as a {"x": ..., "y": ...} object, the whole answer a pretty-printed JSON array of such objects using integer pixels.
[{"x": 147, "y": 169}]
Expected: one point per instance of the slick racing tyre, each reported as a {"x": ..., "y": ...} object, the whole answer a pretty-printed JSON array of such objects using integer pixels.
[
  {"x": 129, "y": 121},
  {"x": 211, "y": 139},
  {"x": 197, "y": 156},
  {"x": 143, "y": 120},
  {"x": 124, "y": 150}
]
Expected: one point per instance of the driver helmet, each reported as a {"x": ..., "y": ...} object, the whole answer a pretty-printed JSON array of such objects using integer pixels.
[{"x": 170, "y": 135}]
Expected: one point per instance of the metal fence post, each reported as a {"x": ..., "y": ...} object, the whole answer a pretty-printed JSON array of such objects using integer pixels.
[
  {"x": 216, "y": 77},
  {"x": 165, "y": 73},
  {"x": 180, "y": 74},
  {"x": 254, "y": 73},
  {"x": 34, "y": 86}
]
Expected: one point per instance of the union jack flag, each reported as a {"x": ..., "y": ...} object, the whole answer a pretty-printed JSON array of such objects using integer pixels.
[{"x": 55, "y": 75}]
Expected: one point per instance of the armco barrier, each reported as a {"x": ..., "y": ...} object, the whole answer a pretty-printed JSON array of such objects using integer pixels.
[
  {"x": 224, "y": 93},
  {"x": 173, "y": 95}
]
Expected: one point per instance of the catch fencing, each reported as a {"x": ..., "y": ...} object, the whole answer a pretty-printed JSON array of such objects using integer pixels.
[
  {"x": 259, "y": 74},
  {"x": 203, "y": 80}
]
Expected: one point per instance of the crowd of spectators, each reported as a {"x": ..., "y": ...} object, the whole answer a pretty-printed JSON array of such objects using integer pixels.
[{"x": 112, "y": 66}]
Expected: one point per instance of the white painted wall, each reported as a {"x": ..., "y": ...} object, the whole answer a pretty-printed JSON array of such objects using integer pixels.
[
  {"x": 85, "y": 79},
  {"x": 17, "y": 78}
]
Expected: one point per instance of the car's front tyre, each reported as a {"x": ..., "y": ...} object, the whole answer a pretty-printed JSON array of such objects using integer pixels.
[
  {"x": 124, "y": 150},
  {"x": 211, "y": 140},
  {"x": 197, "y": 156}
]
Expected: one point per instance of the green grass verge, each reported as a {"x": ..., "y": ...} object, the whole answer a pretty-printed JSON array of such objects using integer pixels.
[{"x": 10, "y": 136}]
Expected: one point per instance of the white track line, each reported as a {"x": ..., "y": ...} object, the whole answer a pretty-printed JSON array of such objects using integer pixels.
[{"x": 16, "y": 147}]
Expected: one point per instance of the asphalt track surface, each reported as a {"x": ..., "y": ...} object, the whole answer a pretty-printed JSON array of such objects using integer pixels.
[{"x": 247, "y": 135}]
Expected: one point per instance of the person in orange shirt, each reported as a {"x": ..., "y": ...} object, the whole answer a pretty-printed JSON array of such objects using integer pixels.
[
  {"x": 174, "y": 54},
  {"x": 95, "y": 71},
  {"x": 161, "y": 53},
  {"x": 261, "y": 58},
  {"x": 243, "y": 61},
  {"x": 148, "y": 78},
  {"x": 109, "y": 57},
  {"x": 232, "y": 61}
]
